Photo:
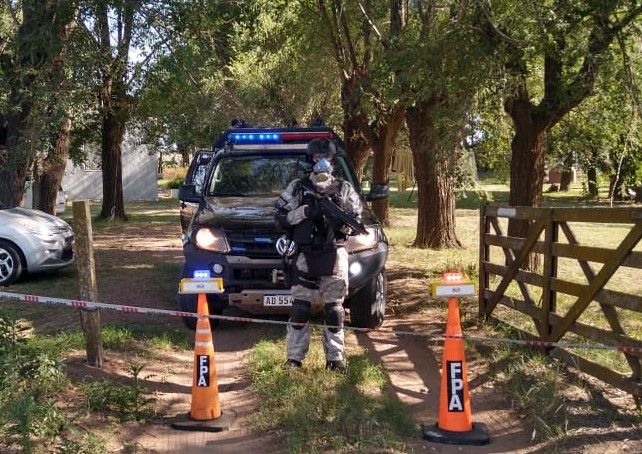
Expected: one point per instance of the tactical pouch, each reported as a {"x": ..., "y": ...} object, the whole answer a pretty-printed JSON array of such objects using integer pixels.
[{"x": 320, "y": 263}]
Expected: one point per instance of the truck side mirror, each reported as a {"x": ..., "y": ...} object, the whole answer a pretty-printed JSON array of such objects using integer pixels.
[
  {"x": 378, "y": 191},
  {"x": 187, "y": 193}
]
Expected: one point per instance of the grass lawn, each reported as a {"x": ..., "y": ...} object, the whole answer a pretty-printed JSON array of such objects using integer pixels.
[
  {"x": 356, "y": 412},
  {"x": 431, "y": 263}
]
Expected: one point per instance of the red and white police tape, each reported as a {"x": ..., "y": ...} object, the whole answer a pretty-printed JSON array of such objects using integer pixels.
[{"x": 77, "y": 304}]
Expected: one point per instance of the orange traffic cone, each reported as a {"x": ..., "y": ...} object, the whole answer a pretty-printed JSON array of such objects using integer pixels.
[
  {"x": 455, "y": 425},
  {"x": 205, "y": 413}
]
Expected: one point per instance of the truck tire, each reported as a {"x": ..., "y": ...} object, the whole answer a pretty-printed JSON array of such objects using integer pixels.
[
  {"x": 10, "y": 263},
  {"x": 368, "y": 305},
  {"x": 187, "y": 303}
]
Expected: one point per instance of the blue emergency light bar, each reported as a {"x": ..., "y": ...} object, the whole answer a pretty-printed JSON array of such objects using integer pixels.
[
  {"x": 270, "y": 136},
  {"x": 255, "y": 138}
]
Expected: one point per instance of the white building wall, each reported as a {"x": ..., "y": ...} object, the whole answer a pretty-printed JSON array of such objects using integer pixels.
[{"x": 139, "y": 176}]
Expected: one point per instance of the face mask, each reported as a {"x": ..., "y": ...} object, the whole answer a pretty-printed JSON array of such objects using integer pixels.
[{"x": 323, "y": 166}]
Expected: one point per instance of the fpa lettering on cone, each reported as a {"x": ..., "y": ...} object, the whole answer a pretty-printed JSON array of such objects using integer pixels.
[
  {"x": 205, "y": 412},
  {"x": 455, "y": 423}
]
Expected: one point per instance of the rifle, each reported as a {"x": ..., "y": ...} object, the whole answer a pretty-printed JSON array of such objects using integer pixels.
[{"x": 333, "y": 212}]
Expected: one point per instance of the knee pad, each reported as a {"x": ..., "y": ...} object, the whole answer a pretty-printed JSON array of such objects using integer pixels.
[
  {"x": 300, "y": 312},
  {"x": 333, "y": 313}
]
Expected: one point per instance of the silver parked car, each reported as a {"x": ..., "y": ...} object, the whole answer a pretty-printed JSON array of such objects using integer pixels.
[{"x": 34, "y": 241}]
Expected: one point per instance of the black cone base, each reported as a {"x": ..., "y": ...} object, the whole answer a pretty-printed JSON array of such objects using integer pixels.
[
  {"x": 477, "y": 436},
  {"x": 219, "y": 424}
]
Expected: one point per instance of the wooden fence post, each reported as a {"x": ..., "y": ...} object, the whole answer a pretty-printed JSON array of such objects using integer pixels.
[
  {"x": 484, "y": 252},
  {"x": 549, "y": 296},
  {"x": 89, "y": 318}
]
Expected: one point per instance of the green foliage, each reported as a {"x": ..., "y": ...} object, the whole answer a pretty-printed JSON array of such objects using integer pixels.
[
  {"x": 128, "y": 402},
  {"x": 133, "y": 337},
  {"x": 85, "y": 443},
  {"x": 175, "y": 183},
  {"x": 536, "y": 384},
  {"x": 31, "y": 378},
  {"x": 321, "y": 410},
  {"x": 603, "y": 132}
]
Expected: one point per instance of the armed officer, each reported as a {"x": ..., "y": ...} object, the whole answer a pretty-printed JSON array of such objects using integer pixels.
[{"x": 321, "y": 263}]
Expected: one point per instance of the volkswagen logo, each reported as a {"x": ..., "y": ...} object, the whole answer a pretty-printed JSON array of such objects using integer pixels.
[{"x": 285, "y": 247}]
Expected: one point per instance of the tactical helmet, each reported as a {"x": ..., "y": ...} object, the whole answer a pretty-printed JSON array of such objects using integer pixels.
[{"x": 323, "y": 147}]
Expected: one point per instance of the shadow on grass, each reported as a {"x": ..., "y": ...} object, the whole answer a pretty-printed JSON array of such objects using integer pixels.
[
  {"x": 320, "y": 410},
  {"x": 160, "y": 211}
]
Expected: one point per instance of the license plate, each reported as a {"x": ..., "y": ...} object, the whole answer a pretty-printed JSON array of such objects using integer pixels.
[
  {"x": 193, "y": 286},
  {"x": 277, "y": 300}
]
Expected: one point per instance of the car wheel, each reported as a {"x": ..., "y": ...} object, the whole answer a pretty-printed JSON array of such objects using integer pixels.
[
  {"x": 10, "y": 263},
  {"x": 368, "y": 305},
  {"x": 187, "y": 303}
]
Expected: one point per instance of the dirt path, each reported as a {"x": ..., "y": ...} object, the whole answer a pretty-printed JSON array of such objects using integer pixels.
[
  {"x": 413, "y": 365},
  {"x": 139, "y": 265},
  {"x": 134, "y": 255}
]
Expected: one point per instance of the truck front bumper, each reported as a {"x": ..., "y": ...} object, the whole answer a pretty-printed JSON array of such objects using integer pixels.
[{"x": 247, "y": 280}]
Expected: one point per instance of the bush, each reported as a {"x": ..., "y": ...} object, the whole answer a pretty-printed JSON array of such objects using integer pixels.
[
  {"x": 127, "y": 402},
  {"x": 175, "y": 183},
  {"x": 31, "y": 378}
]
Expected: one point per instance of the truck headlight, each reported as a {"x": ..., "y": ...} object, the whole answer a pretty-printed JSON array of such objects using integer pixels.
[
  {"x": 211, "y": 240},
  {"x": 363, "y": 241}
]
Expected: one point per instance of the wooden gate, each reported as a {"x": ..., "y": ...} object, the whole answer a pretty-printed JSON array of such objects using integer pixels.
[{"x": 554, "y": 298}]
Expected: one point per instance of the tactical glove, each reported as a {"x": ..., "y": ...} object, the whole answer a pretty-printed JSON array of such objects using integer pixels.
[{"x": 312, "y": 211}]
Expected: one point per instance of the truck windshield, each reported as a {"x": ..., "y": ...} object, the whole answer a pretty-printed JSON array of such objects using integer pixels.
[{"x": 244, "y": 176}]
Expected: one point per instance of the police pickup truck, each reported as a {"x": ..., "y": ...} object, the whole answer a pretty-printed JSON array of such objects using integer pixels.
[{"x": 229, "y": 229}]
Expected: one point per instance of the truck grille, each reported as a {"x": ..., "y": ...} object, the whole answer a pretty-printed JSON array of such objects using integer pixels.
[{"x": 257, "y": 243}]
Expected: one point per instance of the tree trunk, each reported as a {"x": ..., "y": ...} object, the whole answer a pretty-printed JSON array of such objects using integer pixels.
[
  {"x": 591, "y": 175},
  {"x": 53, "y": 170},
  {"x": 527, "y": 163},
  {"x": 354, "y": 121},
  {"x": 39, "y": 53},
  {"x": 382, "y": 144},
  {"x": 184, "y": 156},
  {"x": 15, "y": 161},
  {"x": 566, "y": 177},
  {"x": 159, "y": 169},
  {"x": 615, "y": 187},
  {"x": 113, "y": 131},
  {"x": 434, "y": 168},
  {"x": 565, "y": 180}
]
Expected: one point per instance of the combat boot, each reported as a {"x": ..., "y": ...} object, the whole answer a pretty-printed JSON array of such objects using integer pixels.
[
  {"x": 337, "y": 365},
  {"x": 292, "y": 364}
]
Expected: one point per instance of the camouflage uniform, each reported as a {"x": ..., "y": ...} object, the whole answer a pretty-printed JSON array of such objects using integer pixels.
[{"x": 332, "y": 287}]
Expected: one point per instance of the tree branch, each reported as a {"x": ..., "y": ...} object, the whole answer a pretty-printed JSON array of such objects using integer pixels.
[
  {"x": 334, "y": 32},
  {"x": 495, "y": 29},
  {"x": 153, "y": 52},
  {"x": 396, "y": 19},
  {"x": 426, "y": 16},
  {"x": 367, "y": 17},
  {"x": 124, "y": 44},
  {"x": 600, "y": 39},
  {"x": 630, "y": 79},
  {"x": 617, "y": 28},
  {"x": 88, "y": 32},
  {"x": 348, "y": 38},
  {"x": 167, "y": 42},
  {"x": 552, "y": 79}
]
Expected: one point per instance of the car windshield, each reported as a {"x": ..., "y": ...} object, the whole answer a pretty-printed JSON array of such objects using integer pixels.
[{"x": 259, "y": 175}]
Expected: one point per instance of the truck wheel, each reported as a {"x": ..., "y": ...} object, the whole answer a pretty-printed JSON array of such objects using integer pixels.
[
  {"x": 10, "y": 263},
  {"x": 368, "y": 305},
  {"x": 187, "y": 303}
]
